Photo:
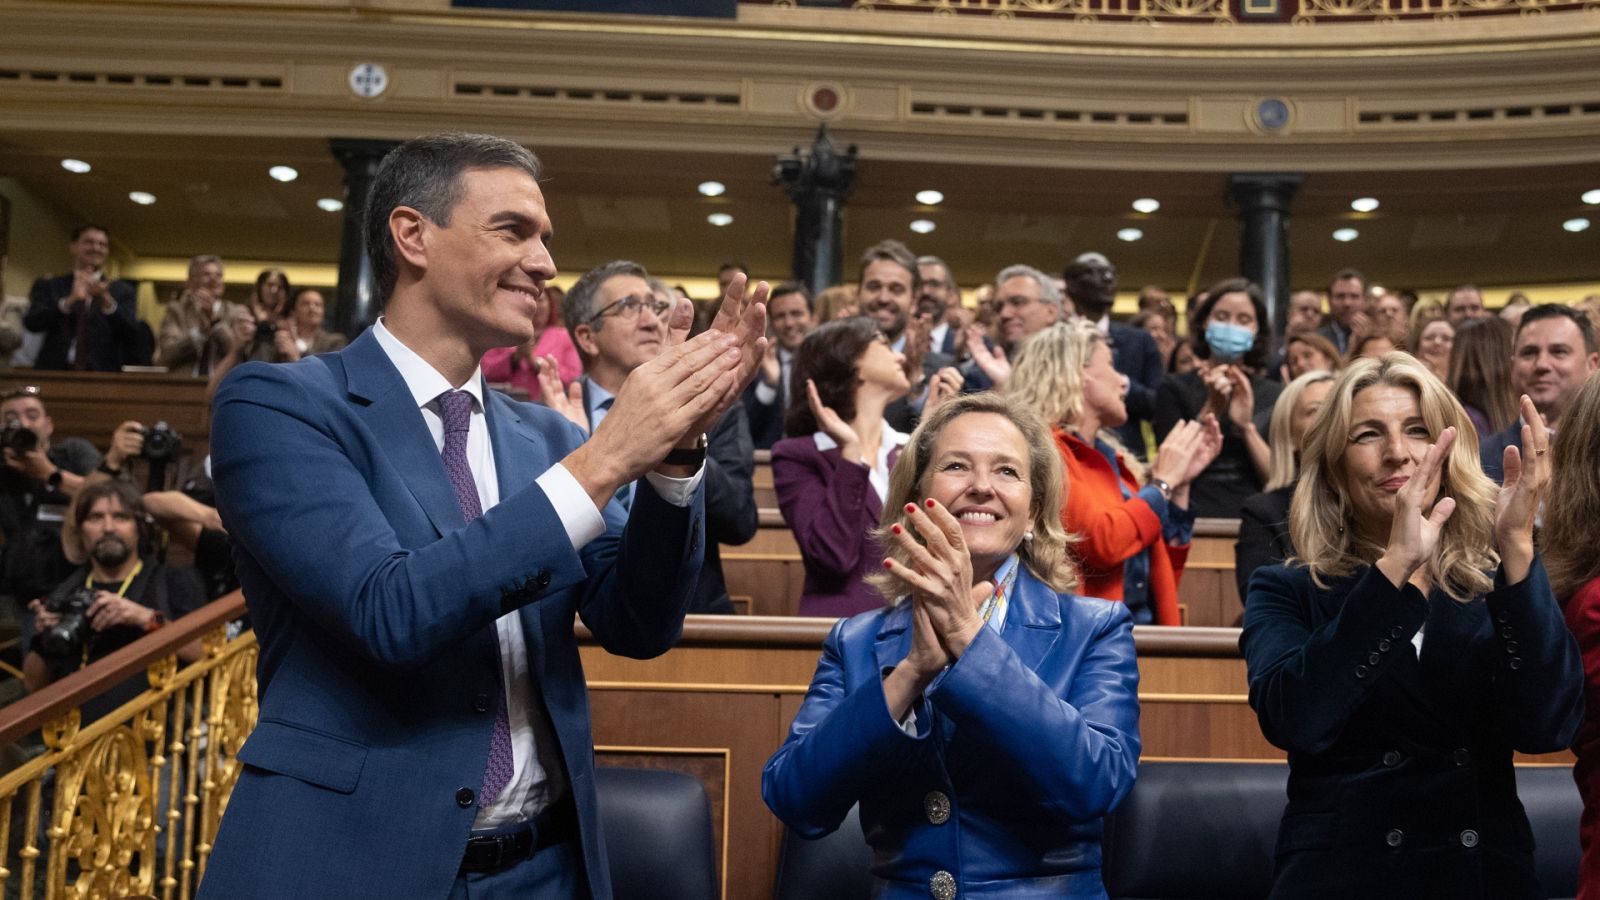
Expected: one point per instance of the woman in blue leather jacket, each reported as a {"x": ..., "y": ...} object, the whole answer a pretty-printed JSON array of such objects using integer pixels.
[{"x": 985, "y": 720}]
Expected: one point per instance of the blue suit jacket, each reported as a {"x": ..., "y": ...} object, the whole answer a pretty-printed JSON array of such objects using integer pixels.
[
  {"x": 375, "y": 607},
  {"x": 1033, "y": 736}
]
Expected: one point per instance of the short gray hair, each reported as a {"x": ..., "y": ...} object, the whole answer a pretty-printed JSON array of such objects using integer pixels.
[
  {"x": 425, "y": 174},
  {"x": 581, "y": 303},
  {"x": 195, "y": 262},
  {"x": 1048, "y": 292},
  {"x": 949, "y": 276}
]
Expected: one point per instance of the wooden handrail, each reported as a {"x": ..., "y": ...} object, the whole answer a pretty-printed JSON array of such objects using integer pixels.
[
  {"x": 810, "y": 631},
  {"x": 768, "y": 517},
  {"x": 71, "y": 692}
]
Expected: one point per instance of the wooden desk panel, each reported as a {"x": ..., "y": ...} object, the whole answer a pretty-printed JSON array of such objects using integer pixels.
[{"x": 91, "y": 405}]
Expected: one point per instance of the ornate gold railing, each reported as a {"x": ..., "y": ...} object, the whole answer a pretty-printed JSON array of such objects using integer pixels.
[
  {"x": 128, "y": 805},
  {"x": 1219, "y": 12}
]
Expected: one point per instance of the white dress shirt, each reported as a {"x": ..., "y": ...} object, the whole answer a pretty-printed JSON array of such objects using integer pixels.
[{"x": 533, "y": 785}]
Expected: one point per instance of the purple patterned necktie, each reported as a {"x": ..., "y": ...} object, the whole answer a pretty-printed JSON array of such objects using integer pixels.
[{"x": 455, "y": 408}]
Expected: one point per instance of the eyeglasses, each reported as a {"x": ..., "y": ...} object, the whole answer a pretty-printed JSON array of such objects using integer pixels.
[
  {"x": 628, "y": 307},
  {"x": 24, "y": 391}
]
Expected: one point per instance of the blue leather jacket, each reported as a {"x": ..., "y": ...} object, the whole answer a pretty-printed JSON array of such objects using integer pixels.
[{"x": 1021, "y": 748}]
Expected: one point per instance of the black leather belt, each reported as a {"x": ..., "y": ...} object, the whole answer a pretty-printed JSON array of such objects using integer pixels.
[{"x": 502, "y": 849}]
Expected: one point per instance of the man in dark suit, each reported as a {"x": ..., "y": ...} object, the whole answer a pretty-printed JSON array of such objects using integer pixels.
[
  {"x": 1092, "y": 288},
  {"x": 1028, "y": 302},
  {"x": 618, "y": 319},
  {"x": 1347, "y": 303},
  {"x": 89, "y": 322},
  {"x": 1553, "y": 353},
  {"x": 791, "y": 318},
  {"x": 936, "y": 293},
  {"x": 413, "y": 548}
]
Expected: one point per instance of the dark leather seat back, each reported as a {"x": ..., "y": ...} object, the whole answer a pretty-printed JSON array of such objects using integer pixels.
[
  {"x": 1191, "y": 830},
  {"x": 836, "y": 867},
  {"x": 658, "y": 834},
  {"x": 1551, "y": 799}
]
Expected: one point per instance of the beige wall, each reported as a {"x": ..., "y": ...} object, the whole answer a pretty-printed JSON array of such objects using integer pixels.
[{"x": 39, "y": 238}]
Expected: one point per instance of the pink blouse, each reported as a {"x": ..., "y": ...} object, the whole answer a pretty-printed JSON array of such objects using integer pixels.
[{"x": 500, "y": 365}]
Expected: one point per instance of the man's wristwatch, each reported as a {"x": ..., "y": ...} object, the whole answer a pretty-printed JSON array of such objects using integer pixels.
[
  {"x": 1163, "y": 487},
  {"x": 54, "y": 481},
  {"x": 156, "y": 621},
  {"x": 694, "y": 456}
]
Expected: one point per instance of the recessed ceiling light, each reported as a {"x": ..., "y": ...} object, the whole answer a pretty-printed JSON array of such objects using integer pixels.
[
  {"x": 720, "y": 219},
  {"x": 283, "y": 173},
  {"x": 923, "y": 226},
  {"x": 1129, "y": 234},
  {"x": 712, "y": 188},
  {"x": 329, "y": 204},
  {"x": 1592, "y": 197},
  {"x": 1576, "y": 225},
  {"x": 1364, "y": 204},
  {"x": 1346, "y": 235},
  {"x": 75, "y": 166},
  {"x": 930, "y": 198},
  {"x": 143, "y": 198},
  {"x": 1146, "y": 204}
]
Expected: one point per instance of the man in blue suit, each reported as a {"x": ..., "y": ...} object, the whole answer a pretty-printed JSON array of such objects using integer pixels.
[{"x": 413, "y": 549}]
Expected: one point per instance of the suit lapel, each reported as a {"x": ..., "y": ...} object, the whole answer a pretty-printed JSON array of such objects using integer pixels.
[
  {"x": 387, "y": 407},
  {"x": 1033, "y": 621},
  {"x": 518, "y": 456}
]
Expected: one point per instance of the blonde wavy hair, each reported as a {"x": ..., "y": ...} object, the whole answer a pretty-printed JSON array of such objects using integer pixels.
[
  {"x": 1285, "y": 464},
  {"x": 1048, "y": 379},
  {"x": 1046, "y": 555},
  {"x": 1571, "y": 510},
  {"x": 1317, "y": 517}
]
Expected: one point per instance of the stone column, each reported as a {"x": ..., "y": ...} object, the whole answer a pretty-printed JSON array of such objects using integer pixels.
[
  {"x": 819, "y": 182},
  {"x": 1262, "y": 200},
  {"x": 357, "y": 304}
]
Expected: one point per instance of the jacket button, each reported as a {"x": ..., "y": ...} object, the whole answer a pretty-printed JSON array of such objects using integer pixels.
[
  {"x": 1506, "y": 632},
  {"x": 542, "y": 580},
  {"x": 1396, "y": 632},
  {"x": 465, "y": 797},
  {"x": 1395, "y": 837},
  {"x": 1391, "y": 758},
  {"x": 1511, "y": 646},
  {"x": 1503, "y": 618},
  {"x": 1373, "y": 657},
  {"x": 1384, "y": 645},
  {"x": 1469, "y": 839},
  {"x": 1516, "y": 663},
  {"x": 942, "y": 886},
  {"x": 1462, "y": 757},
  {"x": 480, "y": 703},
  {"x": 1361, "y": 671},
  {"x": 937, "y": 807}
]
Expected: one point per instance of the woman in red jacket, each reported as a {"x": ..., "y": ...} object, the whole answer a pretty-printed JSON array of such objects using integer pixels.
[
  {"x": 1133, "y": 533},
  {"x": 1574, "y": 568}
]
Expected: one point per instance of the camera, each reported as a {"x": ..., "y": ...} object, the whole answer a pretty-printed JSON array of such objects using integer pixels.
[
  {"x": 18, "y": 438},
  {"x": 65, "y": 639},
  {"x": 265, "y": 332},
  {"x": 161, "y": 443}
]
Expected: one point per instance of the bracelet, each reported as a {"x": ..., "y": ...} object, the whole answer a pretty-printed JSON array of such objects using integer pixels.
[{"x": 1164, "y": 488}]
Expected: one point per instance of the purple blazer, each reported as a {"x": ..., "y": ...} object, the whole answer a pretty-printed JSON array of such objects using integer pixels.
[{"x": 832, "y": 509}]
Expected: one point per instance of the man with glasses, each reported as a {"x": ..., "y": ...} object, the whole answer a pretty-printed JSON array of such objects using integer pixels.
[
  {"x": 1026, "y": 301},
  {"x": 617, "y": 319},
  {"x": 937, "y": 293},
  {"x": 89, "y": 321}
]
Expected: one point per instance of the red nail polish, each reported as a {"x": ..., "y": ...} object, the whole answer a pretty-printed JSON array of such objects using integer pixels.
[
  {"x": 911, "y": 507},
  {"x": 895, "y": 529},
  {"x": 930, "y": 503},
  {"x": 888, "y": 564}
]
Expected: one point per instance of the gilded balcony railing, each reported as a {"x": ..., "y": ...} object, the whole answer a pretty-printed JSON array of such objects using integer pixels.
[
  {"x": 1218, "y": 12},
  {"x": 128, "y": 805}
]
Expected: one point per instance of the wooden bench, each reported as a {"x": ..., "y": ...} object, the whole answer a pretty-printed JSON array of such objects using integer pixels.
[{"x": 91, "y": 405}]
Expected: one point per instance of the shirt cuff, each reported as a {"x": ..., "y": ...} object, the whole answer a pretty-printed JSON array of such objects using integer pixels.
[
  {"x": 765, "y": 393},
  {"x": 677, "y": 491},
  {"x": 576, "y": 511}
]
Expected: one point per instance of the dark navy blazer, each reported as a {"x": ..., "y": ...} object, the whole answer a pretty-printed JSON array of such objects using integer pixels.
[
  {"x": 1400, "y": 769},
  {"x": 1032, "y": 736},
  {"x": 375, "y": 608}
]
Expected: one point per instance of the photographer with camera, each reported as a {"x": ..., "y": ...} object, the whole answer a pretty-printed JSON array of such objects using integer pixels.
[{"x": 122, "y": 594}]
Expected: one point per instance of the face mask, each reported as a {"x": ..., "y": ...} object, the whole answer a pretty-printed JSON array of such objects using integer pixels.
[{"x": 1229, "y": 342}]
